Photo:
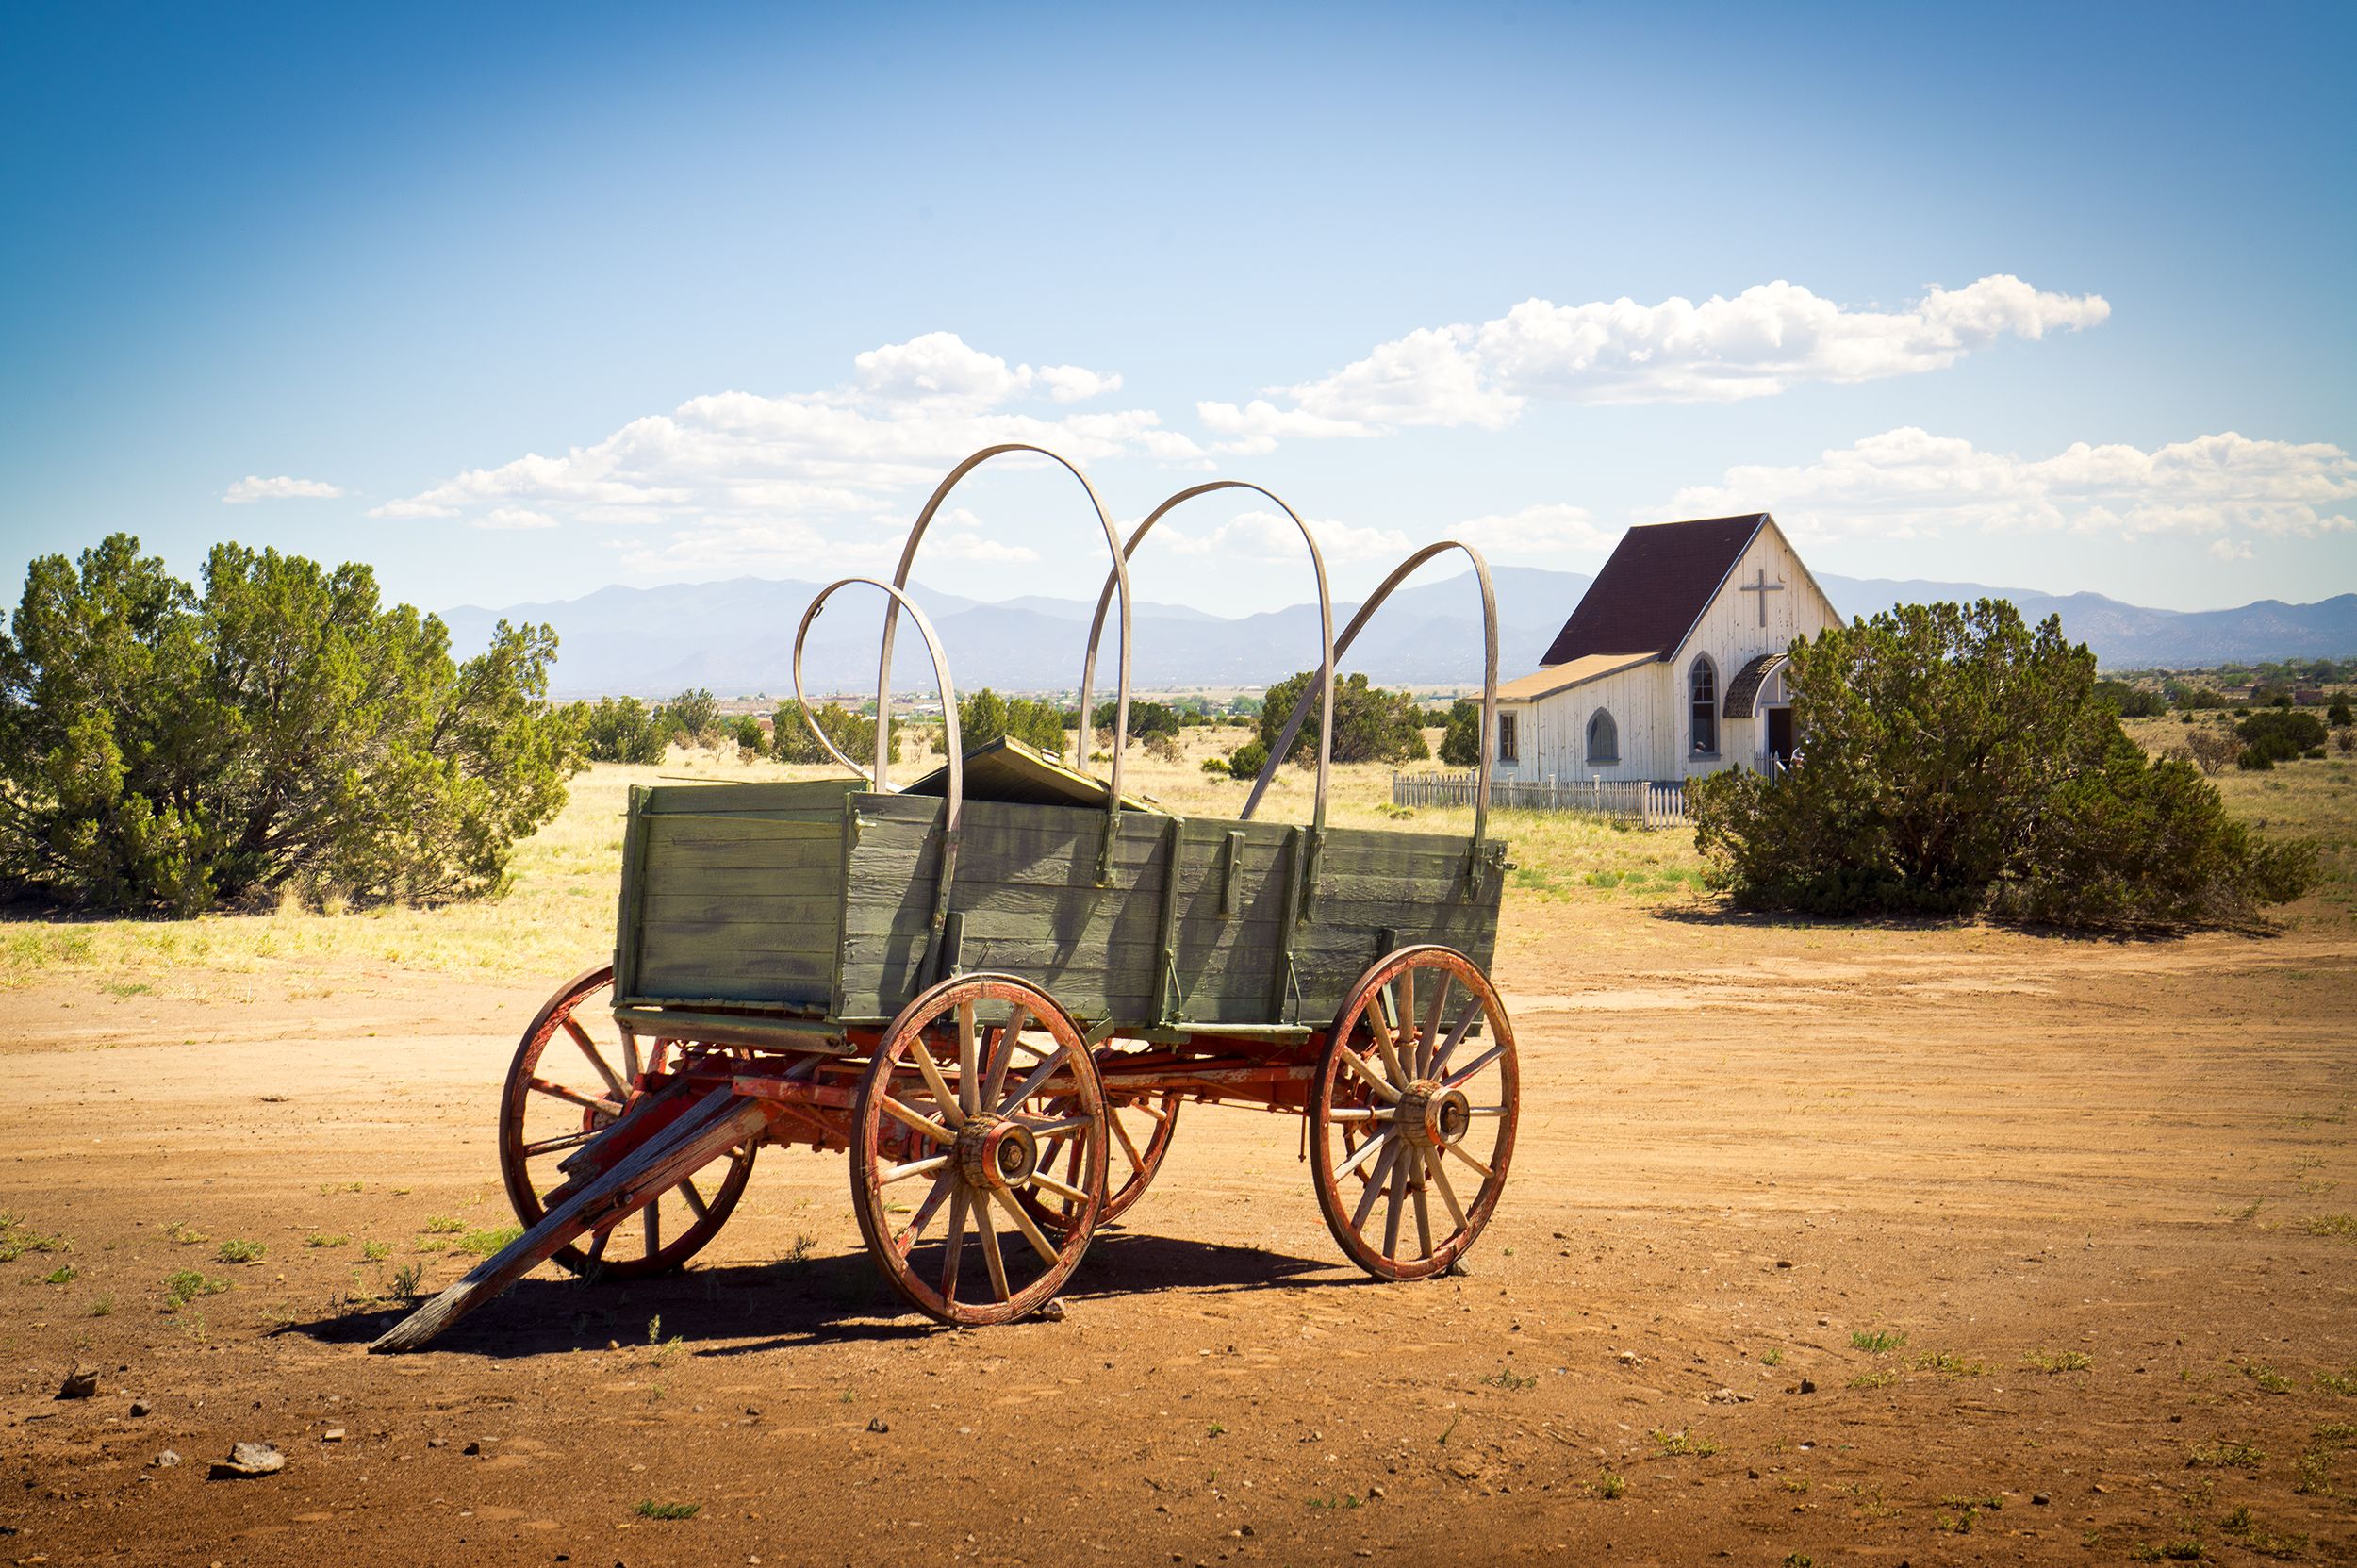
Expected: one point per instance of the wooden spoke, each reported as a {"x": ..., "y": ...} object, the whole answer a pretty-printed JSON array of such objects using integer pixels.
[
  {"x": 1458, "y": 1149},
  {"x": 1062, "y": 1189},
  {"x": 1129, "y": 1149},
  {"x": 1390, "y": 1209},
  {"x": 1367, "y": 1075},
  {"x": 1377, "y": 1180},
  {"x": 1351, "y": 1165},
  {"x": 1439, "y": 1179},
  {"x": 589, "y": 1049},
  {"x": 568, "y": 1140},
  {"x": 653, "y": 1216},
  {"x": 944, "y": 1186},
  {"x": 957, "y": 1243},
  {"x": 1465, "y": 1021},
  {"x": 1428, "y": 1034},
  {"x": 1023, "y": 1223},
  {"x": 969, "y": 1061},
  {"x": 1362, "y": 1113},
  {"x": 992, "y": 1258},
  {"x": 1032, "y": 1084},
  {"x": 914, "y": 1167},
  {"x": 1062, "y": 1127},
  {"x": 1424, "y": 1211},
  {"x": 1004, "y": 1054},
  {"x": 1467, "y": 1074},
  {"x": 922, "y": 1055},
  {"x": 693, "y": 1199},
  {"x": 912, "y": 1117},
  {"x": 574, "y": 1097},
  {"x": 596, "y": 1245},
  {"x": 1384, "y": 1044},
  {"x": 1404, "y": 1001}
]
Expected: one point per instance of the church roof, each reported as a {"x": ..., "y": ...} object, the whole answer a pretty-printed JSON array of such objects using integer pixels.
[
  {"x": 1654, "y": 587},
  {"x": 1562, "y": 677}
]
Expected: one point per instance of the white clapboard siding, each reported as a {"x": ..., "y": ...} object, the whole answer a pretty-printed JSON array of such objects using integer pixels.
[{"x": 1652, "y": 805}]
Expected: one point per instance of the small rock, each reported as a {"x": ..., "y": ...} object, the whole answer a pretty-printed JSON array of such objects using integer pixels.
[
  {"x": 1631, "y": 1358},
  {"x": 2040, "y": 1498},
  {"x": 1464, "y": 1470},
  {"x": 613, "y": 1344},
  {"x": 79, "y": 1384},
  {"x": 248, "y": 1460},
  {"x": 1053, "y": 1312},
  {"x": 1245, "y": 1530},
  {"x": 878, "y": 1423},
  {"x": 164, "y": 1460},
  {"x": 1372, "y": 1493},
  {"x": 435, "y": 1441},
  {"x": 1807, "y": 1386},
  {"x": 333, "y": 1434},
  {"x": 1727, "y": 1396},
  {"x": 471, "y": 1448},
  {"x": 140, "y": 1407},
  {"x": 1783, "y": 1262},
  {"x": 753, "y": 1410}
]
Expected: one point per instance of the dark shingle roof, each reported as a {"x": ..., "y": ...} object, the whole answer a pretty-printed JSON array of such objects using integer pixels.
[{"x": 1654, "y": 588}]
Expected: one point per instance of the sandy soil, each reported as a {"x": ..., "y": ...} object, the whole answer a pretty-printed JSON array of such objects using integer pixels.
[{"x": 1743, "y": 1144}]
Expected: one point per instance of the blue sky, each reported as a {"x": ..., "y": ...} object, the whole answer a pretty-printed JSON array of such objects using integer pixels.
[{"x": 516, "y": 307}]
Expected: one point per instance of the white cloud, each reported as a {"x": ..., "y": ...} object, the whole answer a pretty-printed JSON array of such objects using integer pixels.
[
  {"x": 512, "y": 517},
  {"x": 1541, "y": 529},
  {"x": 2231, "y": 549},
  {"x": 1766, "y": 339},
  {"x": 1908, "y": 484},
  {"x": 1263, "y": 536},
  {"x": 750, "y": 481},
  {"x": 254, "y": 488}
]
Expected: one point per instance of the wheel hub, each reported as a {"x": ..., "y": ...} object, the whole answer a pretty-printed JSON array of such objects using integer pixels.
[
  {"x": 1430, "y": 1113},
  {"x": 995, "y": 1151}
]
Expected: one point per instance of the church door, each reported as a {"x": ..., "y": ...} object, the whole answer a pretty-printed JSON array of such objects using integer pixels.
[{"x": 1780, "y": 733}]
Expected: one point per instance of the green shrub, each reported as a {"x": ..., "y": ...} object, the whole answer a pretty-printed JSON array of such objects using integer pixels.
[
  {"x": 1247, "y": 761},
  {"x": 621, "y": 729},
  {"x": 856, "y": 735},
  {"x": 691, "y": 714},
  {"x": 2131, "y": 702},
  {"x": 1958, "y": 762},
  {"x": 1146, "y": 718},
  {"x": 169, "y": 751},
  {"x": 1370, "y": 724},
  {"x": 747, "y": 732},
  {"x": 1461, "y": 737},
  {"x": 2278, "y": 736}
]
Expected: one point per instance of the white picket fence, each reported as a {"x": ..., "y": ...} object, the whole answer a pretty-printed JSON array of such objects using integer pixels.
[{"x": 1652, "y": 805}]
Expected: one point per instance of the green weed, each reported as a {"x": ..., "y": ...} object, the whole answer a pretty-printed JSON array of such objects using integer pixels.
[
  {"x": 652, "y": 1510},
  {"x": 2052, "y": 1362},
  {"x": 2227, "y": 1456},
  {"x": 1877, "y": 1343},
  {"x": 186, "y": 1284},
  {"x": 442, "y": 1225},
  {"x": 1683, "y": 1441},
  {"x": 1608, "y": 1484},
  {"x": 320, "y": 1239},
  {"x": 240, "y": 1252}
]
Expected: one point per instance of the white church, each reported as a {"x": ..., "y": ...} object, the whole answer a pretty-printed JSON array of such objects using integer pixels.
[{"x": 1672, "y": 664}]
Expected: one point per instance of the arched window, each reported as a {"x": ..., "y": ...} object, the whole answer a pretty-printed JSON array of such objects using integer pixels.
[
  {"x": 1704, "y": 685},
  {"x": 1603, "y": 739}
]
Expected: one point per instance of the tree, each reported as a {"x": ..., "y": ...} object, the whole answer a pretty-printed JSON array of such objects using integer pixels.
[
  {"x": 1040, "y": 722},
  {"x": 981, "y": 718},
  {"x": 2338, "y": 715},
  {"x": 1460, "y": 739},
  {"x": 2213, "y": 746},
  {"x": 1146, "y": 718},
  {"x": 1370, "y": 724},
  {"x": 2132, "y": 701},
  {"x": 1959, "y": 761},
  {"x": 2273, "y": 736},
  {"x": 854, "y": 735},
  {"x": 621, "y": 729},
  {"x": 162, "y": 750},
  {"x": 747, "y": 732},
  {"x": 692, "y": 713}
]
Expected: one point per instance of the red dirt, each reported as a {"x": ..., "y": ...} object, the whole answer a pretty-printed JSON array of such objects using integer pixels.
[{"x": 1743, "y": 1144}]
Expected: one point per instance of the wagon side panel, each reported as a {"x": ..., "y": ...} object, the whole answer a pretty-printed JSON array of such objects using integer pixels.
[
  {"x": 738, "y": 906},
  {"x": 1372, "y": 888},
  {"x": 1228, "y": 920}
]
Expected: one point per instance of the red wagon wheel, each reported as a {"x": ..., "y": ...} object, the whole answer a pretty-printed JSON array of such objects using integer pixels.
[
  {"x": 554, "y": 1103},
  {"x": 1140, "y": 1124},
  {"x": 981, "y": 1092},
  {"x": 1417, "y": 1095}
]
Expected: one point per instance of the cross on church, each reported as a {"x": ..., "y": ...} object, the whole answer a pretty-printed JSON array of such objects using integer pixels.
[{"x": 1763, "y": 587}]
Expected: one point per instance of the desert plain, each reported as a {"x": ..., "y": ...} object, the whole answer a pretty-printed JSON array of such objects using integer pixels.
[{"x": 1824, "y": 1242}]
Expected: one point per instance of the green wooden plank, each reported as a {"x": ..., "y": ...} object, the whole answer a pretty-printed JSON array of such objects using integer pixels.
[
  {"x": 633, "y": 874},
  {"x": 753, "y": 881},
  {"x": 819, "y": 797},
  {"x": 793, "y": 909}
]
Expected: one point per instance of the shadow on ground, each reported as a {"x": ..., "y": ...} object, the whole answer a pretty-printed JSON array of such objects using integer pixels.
[{"x": 744, "y": 1306}]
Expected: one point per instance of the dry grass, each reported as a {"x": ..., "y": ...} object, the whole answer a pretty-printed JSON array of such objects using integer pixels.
[{"x": 558, "y": 912}]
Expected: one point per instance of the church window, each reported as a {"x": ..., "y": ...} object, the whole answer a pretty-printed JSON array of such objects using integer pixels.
[
  {"x": 1506, "y": 737},
  {"x": 1603, "y": 739},
  {"x": 1703, "y": 684}
]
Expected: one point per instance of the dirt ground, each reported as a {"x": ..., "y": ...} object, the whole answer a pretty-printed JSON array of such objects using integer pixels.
[{"x": 2093, "y": 1196}]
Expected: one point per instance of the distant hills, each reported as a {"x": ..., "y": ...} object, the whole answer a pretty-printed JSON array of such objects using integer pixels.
[{"x": 738, "y": 636}]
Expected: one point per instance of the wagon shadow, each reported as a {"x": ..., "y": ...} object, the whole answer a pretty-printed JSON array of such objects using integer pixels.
[{"x": 736, "y": 1309}]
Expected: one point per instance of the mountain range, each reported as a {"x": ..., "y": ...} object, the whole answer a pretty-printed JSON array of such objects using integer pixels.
[{"x": 738, "y": 636}]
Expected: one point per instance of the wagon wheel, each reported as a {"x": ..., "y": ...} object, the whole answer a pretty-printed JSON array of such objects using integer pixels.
[
  {"x": 981, "y": 1092},
  {"x": 557, "y": 1101},
  {"x": 1420, "y": 1061},
  {"x": 1140, "y": 1124}
]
